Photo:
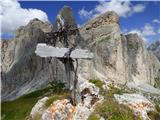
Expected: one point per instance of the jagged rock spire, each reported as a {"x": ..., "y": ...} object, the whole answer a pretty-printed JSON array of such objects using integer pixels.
[
  {"x": 66, "y": 24},
  {"x": 65, "y": 19}
]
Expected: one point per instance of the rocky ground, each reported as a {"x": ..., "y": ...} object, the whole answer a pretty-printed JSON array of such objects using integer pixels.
[{"x": 113, "y": 103}]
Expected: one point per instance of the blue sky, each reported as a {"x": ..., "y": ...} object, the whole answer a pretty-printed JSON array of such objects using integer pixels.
[{"x": 141, "y": 17}]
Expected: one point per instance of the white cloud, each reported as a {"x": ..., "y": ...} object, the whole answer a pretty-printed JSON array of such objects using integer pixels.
[
  {"x": 156, "y": 21},
  {"x": 148, "y": 30},
  {"x": 139, "y": 8},
  {"x": 122, "y": 8},
  {"x": 124, "y": 31},
  {"x": 84, "y": 13},
  {"x": 78, "y": 25},
  {"x": 13, "y": 15},
  {"x": 136, "y": 31},
  {"x": 159, "y": 30}
]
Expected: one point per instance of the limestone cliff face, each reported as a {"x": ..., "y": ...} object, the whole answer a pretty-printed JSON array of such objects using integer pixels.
[
  {"x": 143, "y": 65},
  {"x": 24, "y": 71},
  {"x": 116, "y": 57},
  {"x": 104, "y": 39},
  {"x": 154, "y": 48}
]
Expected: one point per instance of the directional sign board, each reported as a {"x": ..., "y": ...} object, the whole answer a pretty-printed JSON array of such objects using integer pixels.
[{"x": 44, "y": 50}]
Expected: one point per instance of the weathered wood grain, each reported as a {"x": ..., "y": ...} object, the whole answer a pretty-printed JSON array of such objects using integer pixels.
[{"x": 44, "y": 50}]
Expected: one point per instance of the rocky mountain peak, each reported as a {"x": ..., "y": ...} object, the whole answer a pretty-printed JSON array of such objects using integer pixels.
[
  {"x": 108, "y": 18},
  {"x": 135, "y": 40},
  {"x": 66, "y": 25},
  {"x": 65, "y": 19},
  {"x": 32, "y": 25},
  {"x": 155, "y": 48},
  {"x": 154, "y": 45},
  {"x": 103, "y": 27}
]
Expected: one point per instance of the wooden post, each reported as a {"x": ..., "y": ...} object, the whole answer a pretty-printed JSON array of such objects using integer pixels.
[
  {"x": 67, "y": 54},
  {"x": 75, "y": 83}
]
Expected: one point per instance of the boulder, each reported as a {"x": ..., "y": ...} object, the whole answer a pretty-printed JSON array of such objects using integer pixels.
[
  {"x": 38, "y": 109},
  {"x": 138, "y": 103},
  {"x": 59, "y": 110}
]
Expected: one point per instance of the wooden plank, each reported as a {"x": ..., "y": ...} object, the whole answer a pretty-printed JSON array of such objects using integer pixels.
[{"x": 44, "y": 50}]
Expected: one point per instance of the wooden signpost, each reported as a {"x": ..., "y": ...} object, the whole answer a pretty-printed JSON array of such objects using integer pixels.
[
  {"x": 68, "y": 54},
  {"x": 44, "y": 50}
]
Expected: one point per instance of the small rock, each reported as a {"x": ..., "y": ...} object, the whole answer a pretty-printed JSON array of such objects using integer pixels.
[{"x": 102, "y": 118}]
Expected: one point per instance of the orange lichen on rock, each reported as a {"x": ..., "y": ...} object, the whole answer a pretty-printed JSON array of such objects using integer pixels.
[
  {"x": 60, "y": 109},
  {"x": 138, "y": 103}
]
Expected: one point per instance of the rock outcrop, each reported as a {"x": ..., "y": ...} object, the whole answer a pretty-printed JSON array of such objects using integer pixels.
[
  {"x": 138, "y": 103},
  {"x": 38, "y": 109},
  {"x": 59, "y": 110}
]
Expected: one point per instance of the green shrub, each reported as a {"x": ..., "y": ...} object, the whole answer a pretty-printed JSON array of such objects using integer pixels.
[
  {"x": 118, "y": 91},
  {"x": 157, "y": 82},
  {"x": 93, "y": 117},
  {"x": 98, "y": 83},
  {"x": 157, "y": 106},
  {"x": 57, "y": 86}
]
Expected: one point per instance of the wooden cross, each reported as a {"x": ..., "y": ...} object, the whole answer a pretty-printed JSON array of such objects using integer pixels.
[{"x": 44, "y": 50}]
